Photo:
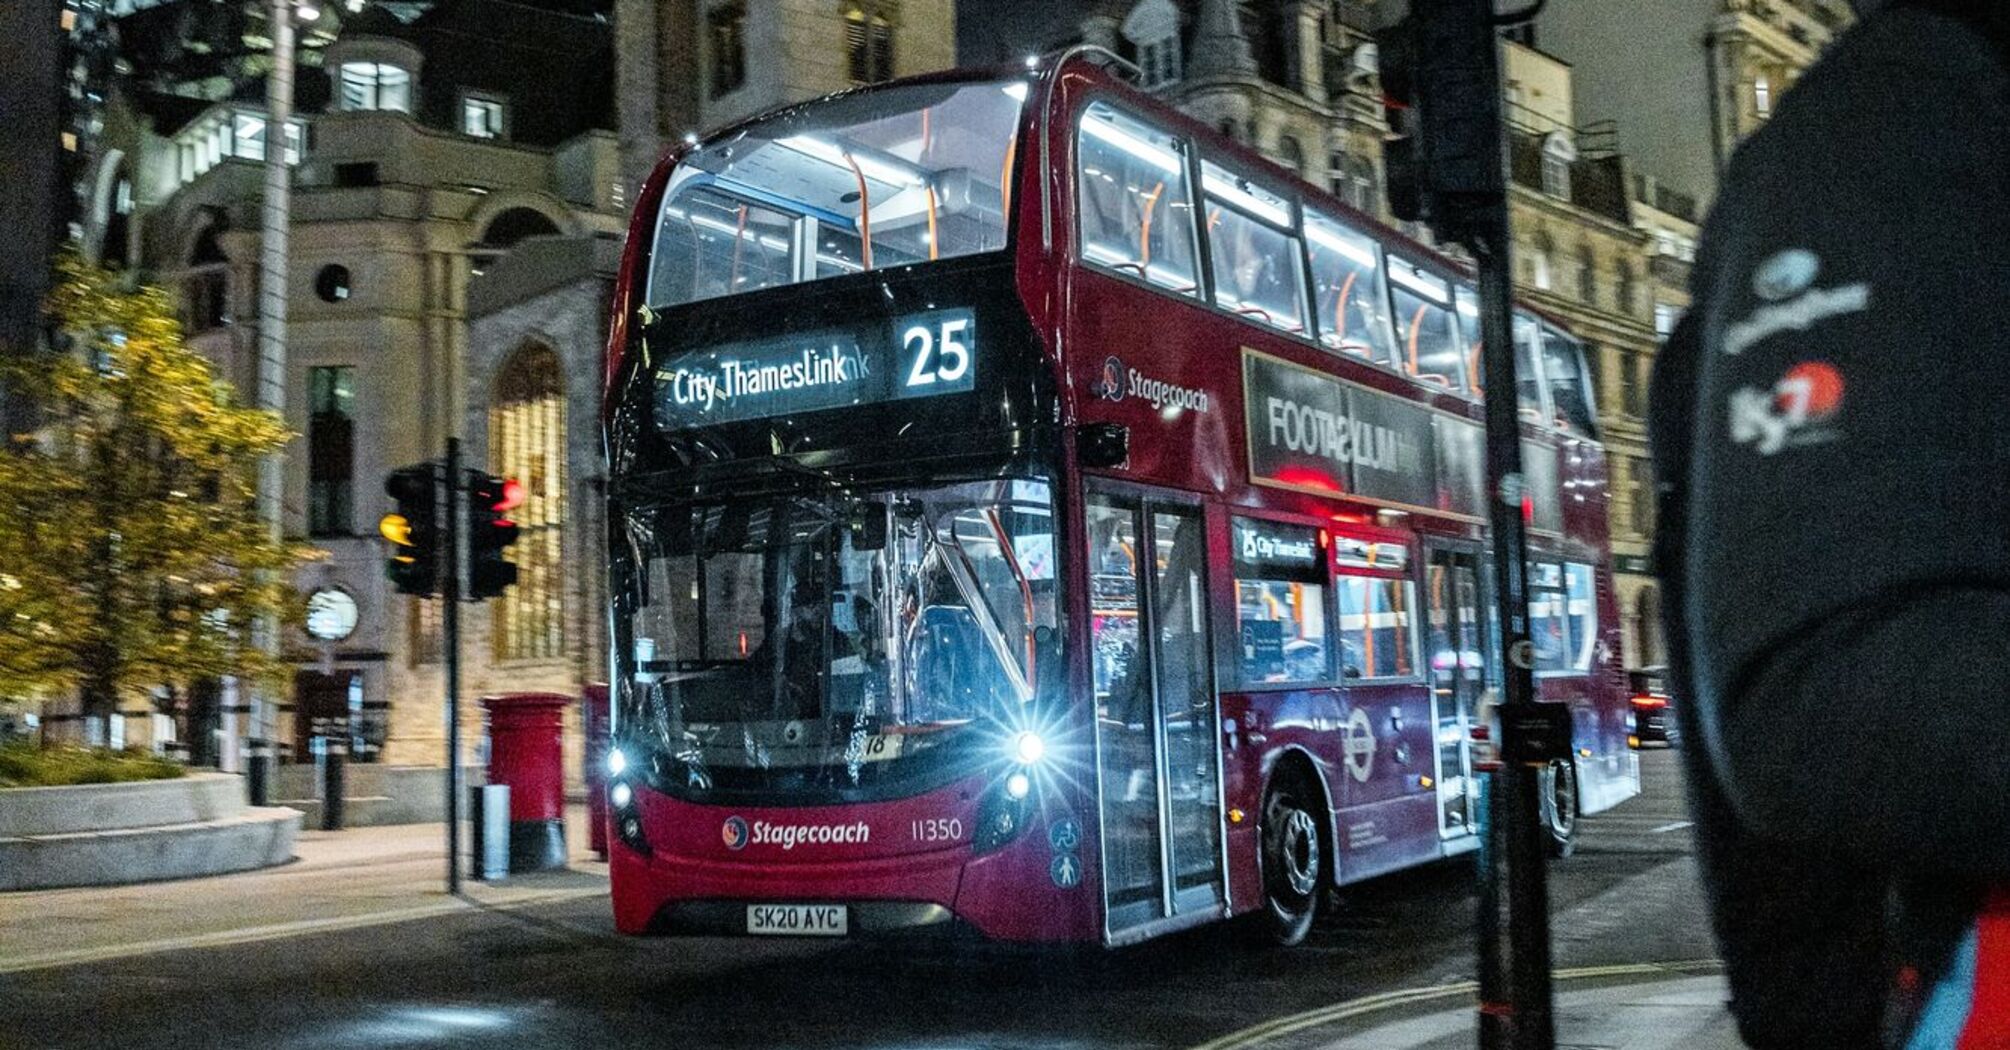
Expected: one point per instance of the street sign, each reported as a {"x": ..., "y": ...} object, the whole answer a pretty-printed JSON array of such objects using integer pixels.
[{"x": 1535, "y": 734}]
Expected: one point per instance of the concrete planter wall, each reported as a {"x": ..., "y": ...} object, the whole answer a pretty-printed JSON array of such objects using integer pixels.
[
  {"x": 111, "y": 834},
  {"x": 373, "y": 794}
]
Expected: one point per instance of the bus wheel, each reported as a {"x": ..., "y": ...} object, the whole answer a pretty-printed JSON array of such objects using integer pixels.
[
  {"x": 1294, "y": 856},
  {"x": 1560, "y": 807}
]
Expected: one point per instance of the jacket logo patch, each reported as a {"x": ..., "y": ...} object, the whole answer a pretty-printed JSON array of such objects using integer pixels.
[
  {"x": 1785, "y": 283},
  {"x": 1798, "y": 411}
]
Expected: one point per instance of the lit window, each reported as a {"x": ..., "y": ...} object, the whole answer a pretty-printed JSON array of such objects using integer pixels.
[
  {"x": 1135, "y": 202},
  {"x": 1280, "y": 601},
  {"x": 1256, "y": 269},
  {"x": 481, "y": 117},
  {"x": 1762, "y": 96},
  {"x": 1427, "y": 343},
  {"x": 868, "y": 43},
  {"x": 331, "y": 451},
  {"x": 375, "y": 85},
  {"x": 527, "y": 443},
  {"x": 1665, "y": 318},
  {"x": 1374, "y": 627},
  {"x": 1563, "y": 617},
  {"x": 1348, "y": 300}
]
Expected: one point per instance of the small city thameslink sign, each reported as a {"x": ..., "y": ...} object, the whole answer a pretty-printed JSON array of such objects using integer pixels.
[
  {"x": 1258, "y": 545},
  {"x": 918, "y": 355}
]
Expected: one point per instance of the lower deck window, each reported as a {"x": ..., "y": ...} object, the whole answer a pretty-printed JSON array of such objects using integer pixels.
[
  {"x": 1280, "y": 604},
  {"x": 1375, "y": 638},
  {"x": 1563, "y": 616}
]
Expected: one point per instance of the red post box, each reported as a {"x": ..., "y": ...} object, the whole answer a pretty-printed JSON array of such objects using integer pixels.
[
  {"x": 525, "y": 731},
  {"x": 593, "y": 707}
]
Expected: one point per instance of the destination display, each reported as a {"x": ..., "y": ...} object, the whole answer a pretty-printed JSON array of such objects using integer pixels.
[
  {"x": 1277, "y": 551},
  {"x": 918, "y": 355},
  {"x": 1310, "y": 431}
]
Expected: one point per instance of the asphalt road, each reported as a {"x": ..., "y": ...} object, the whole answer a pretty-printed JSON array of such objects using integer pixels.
[{"x": 556, "y": 975}]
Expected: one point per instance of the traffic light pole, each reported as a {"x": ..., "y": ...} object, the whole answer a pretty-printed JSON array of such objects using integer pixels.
[
  {"x": 1525, "y": 1020},
  {"x": 450, "y": 631}
]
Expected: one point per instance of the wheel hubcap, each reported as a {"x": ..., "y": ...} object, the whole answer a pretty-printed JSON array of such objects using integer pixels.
[
  {"x": 1299, "y": 847},
  {"x": 1562, "y": 799}
]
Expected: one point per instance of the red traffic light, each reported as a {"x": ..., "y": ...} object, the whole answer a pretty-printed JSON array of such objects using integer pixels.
[{"x": 511, "y": 496}]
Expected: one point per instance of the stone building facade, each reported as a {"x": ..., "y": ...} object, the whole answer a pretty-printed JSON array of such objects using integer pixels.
[{"x": 433, "y": 142}]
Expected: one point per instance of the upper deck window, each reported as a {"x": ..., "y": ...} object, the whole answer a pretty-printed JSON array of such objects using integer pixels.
[
  {"x": 1348, "y": 299},
  {"x": 1135, "y": 201},
  {"x": 1528, "y": 376},
  {"x": 883, "y": 178},
  {"x": 1254, "y": 254},
  {"x": 1427, "y": 340}
]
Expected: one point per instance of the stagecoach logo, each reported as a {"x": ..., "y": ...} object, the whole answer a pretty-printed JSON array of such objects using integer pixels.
[
  {"x": 738, "y": 834},
  {"x": 1785, "y": 283},
  {"x": 1118, "y": 382},
  {"x": 1795, "y": 413}
]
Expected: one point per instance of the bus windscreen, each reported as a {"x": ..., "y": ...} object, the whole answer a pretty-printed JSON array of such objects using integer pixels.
[{"x": 882, "y": 178}]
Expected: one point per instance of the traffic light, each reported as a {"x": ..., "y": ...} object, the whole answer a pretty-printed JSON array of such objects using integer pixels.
[
  {"x": 413, "y": 529},
  {"x": 490, "y": 531},
  {"x": 1440, "y": 71}
]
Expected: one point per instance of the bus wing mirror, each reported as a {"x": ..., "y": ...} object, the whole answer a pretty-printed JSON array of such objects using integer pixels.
[{"x": 1103, "y": 444}]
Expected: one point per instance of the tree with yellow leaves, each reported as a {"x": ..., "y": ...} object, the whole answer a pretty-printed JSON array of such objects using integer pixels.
[{"x": 132, "y": 557}]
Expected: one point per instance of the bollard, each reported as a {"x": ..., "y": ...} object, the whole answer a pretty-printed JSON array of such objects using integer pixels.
[
  {"x": 492, "y": 827},
  {"x": 258, "y": 775},
  {"x": 335, "y": 752}
]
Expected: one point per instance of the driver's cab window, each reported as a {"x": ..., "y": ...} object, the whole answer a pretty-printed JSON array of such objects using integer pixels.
[{"x": 1134, "y": 200}]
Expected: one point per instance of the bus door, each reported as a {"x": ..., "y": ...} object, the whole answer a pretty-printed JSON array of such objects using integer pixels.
[
  {"x": 1157, "y": 762},
  {"x": 1454, "y": 605}
]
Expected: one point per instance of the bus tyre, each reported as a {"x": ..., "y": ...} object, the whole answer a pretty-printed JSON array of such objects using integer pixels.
[
  {"x": 1558, "y": 785},
  {"x": 1294, "y": 858}
]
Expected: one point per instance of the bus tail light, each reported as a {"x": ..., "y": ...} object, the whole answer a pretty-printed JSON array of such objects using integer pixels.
[{"x": 1650, "y": 701}]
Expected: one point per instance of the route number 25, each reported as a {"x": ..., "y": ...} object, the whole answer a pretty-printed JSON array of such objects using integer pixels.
[{"x": 941, "y": 353}]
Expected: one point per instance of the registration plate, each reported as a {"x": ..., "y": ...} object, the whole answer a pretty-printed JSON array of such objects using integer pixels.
[{"x": 799, "y": 920}]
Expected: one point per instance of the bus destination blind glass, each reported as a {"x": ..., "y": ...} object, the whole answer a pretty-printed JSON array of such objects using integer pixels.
[{"x": 919, "y": 355}]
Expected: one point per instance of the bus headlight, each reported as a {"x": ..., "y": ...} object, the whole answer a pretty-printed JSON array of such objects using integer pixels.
[
  {"x": 1018, "y": 786},
  {"x": 621, "y": 796},
  {"x": 617, "y": 763},
  {"x": 1028, "y": 748}
]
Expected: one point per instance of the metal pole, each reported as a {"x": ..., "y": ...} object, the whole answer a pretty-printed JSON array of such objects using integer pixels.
[
  {"x": 450, "y": 630},
  {"x": 272, "y": 301},
  {"x": 1525, "y": 852}
]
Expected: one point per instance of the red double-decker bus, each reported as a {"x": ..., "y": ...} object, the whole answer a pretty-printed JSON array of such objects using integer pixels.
[{"x": 1033, "y": 513}]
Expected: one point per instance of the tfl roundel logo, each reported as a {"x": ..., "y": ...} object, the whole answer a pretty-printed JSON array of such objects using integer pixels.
[{"x": 735, "y": 833}]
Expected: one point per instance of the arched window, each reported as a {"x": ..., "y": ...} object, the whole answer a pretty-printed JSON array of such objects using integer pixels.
[
  {"x": 527, "y": 443},
  {"x": 1291, "y": 154},
  {"x": 1626, "y": 290},
  {"x": 1587, "y": 274},
  {"x": 1540, "y": 259},
  {"x": 1152, "y": 27},
  {"x": 868, "y": 38},
  {"x": 506, "y": 231},
  {"x": 115, "y": 251}
]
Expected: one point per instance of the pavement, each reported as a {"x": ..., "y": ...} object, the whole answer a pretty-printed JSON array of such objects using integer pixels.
[
  {"x": 356, "y": 943},
  {"x": 338, "y": 880}
]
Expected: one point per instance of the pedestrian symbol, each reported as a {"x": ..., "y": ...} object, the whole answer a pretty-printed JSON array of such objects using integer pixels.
[
  {"x": 1066, "y": 871},
  {"x": 1064, "y": 835}
]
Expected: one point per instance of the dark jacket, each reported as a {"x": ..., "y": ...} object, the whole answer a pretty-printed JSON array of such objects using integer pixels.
[{"x": 1832, "y": 426}]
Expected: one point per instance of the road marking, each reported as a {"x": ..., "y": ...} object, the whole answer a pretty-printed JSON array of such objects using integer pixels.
[
  {"x": 1666, "y": 828},
  {"x": 1257, "y": 1035},
  {"x": 281, "y": 931}
]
